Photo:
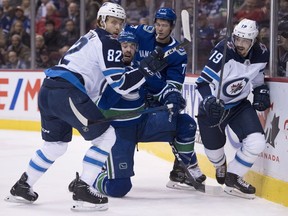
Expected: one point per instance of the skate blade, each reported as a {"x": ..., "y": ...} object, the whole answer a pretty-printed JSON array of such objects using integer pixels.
[
  {"x": 209, "y": 189},
  {"x": 235, "y": 192},
  {"x": 86, "y": 206},
  {"x": 17, "y": 199},
  {"x": 179, "y": 186}
]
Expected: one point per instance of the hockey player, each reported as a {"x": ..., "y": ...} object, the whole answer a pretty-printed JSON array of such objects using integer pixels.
[
  {"x": 243, "y": 70},
  {"x": 115, "y": 180},
  {"x": 66, "y": 100},
  {"x": 172, "y": 77}
]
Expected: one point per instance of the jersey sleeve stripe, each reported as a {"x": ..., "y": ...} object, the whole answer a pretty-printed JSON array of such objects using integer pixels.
[
  {"x": 211, "y": 73},
  {"x": 112, "y": 71}
]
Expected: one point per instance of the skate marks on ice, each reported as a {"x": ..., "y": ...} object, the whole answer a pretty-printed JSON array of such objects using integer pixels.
[{"x": 149, "y": 195}]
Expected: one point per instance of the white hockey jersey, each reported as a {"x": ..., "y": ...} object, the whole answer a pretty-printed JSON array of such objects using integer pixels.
[
  {"x": 240, "y": 75},
  {"x": 97, "y": 57}
]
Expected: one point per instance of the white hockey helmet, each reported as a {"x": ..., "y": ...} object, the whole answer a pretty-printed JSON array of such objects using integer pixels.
[
  {"x": 246, "y": 28},
  {"x": 111, "y": 9}
]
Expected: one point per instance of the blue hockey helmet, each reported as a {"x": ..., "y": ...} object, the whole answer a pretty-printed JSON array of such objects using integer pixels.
[
  {"x": 166, "y": 14},
  {"x": 127, "y": 36}
]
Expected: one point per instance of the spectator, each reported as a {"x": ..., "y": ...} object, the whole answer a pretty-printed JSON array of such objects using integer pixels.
[
  {"x": 45, "y": 60},
  {"x": 5, "y": 21},
  {"x": 18, "y": 28},
  {"x": 264, "y": 36},
  {"x": 14, "y": 62},
  {"x": 25, "y": 5},
  {"x": 70, "y": 34},
  {"x": 92, "y": 7},
  {"x": 283, "y": 9},
  {"x": 283, "y": 48},
  {"x": 19, "y": 15},
  {"x": 206, "y": 38},
  {"x": 40, "y": 47},
  {"x": 7, "y": 8},
  {"x": 253, "y": 9},
  {"x": 51, "y": 14},
  {"x": 73, "y": 14},
  {"x": 23, "y": 51},
  {"x": 41, "y": 10},
  {"x": 2, "y": 48},
  {"x": 52, "y": 36}
]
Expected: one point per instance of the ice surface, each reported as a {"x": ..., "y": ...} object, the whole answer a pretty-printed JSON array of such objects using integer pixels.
[{"x": 148, "y": 197}]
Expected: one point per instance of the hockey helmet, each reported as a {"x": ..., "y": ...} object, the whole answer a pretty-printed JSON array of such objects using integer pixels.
[
  {"x": 127, "y": 36},
  {"x": 111, "y": 9},
  {"x": 166, "y": 14},
  {"x": 246, "y": 28}
]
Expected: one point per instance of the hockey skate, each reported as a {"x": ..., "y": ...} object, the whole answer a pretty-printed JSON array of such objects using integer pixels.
[
  {"x": 86, "y": 197},
  {"x": 21, "y": 192},
  {"x": 221, "y": 173},
  {"x": 179, "y": 180},
  {"x": 236, "y": 186}
]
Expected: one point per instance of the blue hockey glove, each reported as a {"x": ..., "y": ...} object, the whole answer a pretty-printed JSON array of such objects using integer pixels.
[
  {"x": 213, "y": 108},
  {"x": 261, "y": 100},
  {"x": 153, "y": 63},
  {"x": 173, "y": 96}
]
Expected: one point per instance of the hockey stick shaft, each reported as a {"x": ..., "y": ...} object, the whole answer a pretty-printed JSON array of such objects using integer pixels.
[
  {"x": 208, "y": 189},
  {"x": 228, "y": 32},
  {"x": 87, "y": 122},
  {"x": 179, "y": 46},
  {"x": 132, "y": 114}
]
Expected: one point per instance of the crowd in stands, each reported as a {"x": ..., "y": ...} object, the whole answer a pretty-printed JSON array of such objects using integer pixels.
[{"x": 57, "y": 25}]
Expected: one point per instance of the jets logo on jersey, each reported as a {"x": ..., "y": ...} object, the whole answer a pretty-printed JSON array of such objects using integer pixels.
[{"x": 233, "y": 88}]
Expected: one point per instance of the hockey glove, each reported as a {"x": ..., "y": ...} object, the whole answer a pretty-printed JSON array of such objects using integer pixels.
[
  {"x": 212, "y": 108},
  {"x": 153, "y": 63},
  {"x": 172, "y": 95},
  {"x": 261, "y": 100}
]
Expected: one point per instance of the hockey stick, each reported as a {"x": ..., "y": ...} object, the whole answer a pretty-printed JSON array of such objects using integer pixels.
[
  {"x": 228, "y": 27},
  {"x": 87, "y": 122},
  {"x": 186, "y": 33},
  {"x": 208, "y": 189}
]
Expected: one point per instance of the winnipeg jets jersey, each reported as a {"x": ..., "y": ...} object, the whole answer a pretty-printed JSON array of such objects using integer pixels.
[
  {"x": 240, "y": 75},
  {"x": 98, "y": 58},
  {"x": 174, "y": 73}
]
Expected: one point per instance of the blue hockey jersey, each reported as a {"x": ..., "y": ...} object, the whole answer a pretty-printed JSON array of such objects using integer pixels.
[{"x": 174, "y": 73}]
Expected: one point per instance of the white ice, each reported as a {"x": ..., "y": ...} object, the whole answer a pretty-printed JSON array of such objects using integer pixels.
[{"x": 148, "y": 197}]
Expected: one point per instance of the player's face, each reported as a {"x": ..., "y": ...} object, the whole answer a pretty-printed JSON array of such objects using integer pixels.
[
  {"x": 242, "y": 45},
  {"x": 163, "y": 30},
  {"x": 114, "y": 26},
  {"x": 128, "y": 50}
]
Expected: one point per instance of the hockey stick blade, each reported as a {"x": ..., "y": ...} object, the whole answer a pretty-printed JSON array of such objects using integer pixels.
[
  {"x": 179, "y": 46},
  {"x": 186, "y": 25},
  {"x": 207, "y": 189},
  {"x": 87, "y": 122}
]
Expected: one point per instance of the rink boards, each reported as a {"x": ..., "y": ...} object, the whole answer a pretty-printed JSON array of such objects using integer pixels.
[{"x": 18, "y": 111}]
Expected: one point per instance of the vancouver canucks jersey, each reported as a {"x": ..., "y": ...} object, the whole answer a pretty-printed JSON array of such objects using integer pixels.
[
  {"x": 174, "y": 73},
  {"x": 97, "y": 56},
  {"x": 240, "y": 75}
]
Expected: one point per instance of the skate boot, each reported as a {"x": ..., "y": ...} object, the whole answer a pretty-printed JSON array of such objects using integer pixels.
[
  {"x": 22, "y": 191},
  {"x": 236, "y": 186},
  {"x": 72, "y": 183},
  {"x": 221, "y": 173},
  {"x": 196, "y": 173},
  {"x": 87, "y": 197},
  {"x": 177, "y": 175}
]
